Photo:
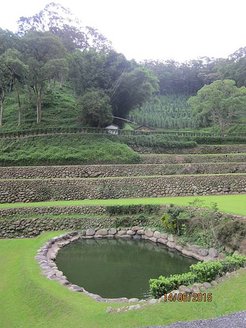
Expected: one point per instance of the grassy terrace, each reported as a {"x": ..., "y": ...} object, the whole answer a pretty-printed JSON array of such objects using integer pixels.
[
  {"x": 235, "y": 204},
  {"x": 62, "y": 150},
  {"x": 28, "y": 299}
]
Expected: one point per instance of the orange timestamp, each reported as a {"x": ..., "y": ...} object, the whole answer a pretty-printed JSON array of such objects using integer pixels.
[{"x": 188, "y": 297}]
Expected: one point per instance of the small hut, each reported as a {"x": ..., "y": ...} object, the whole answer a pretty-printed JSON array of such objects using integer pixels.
[{"x": 112, "y": 129}]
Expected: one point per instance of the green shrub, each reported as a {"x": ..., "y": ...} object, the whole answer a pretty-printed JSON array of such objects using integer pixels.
[
  {"x": 207, "y": 271},
  {"x": 174, "y": 220},
  {"x": 163, "y": 285},
  {"x": 233, "y": 262},
  {"x": 200, "y": 272}
]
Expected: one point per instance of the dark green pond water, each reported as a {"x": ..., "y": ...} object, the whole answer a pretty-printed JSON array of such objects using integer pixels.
[{"x": 118, "y": 268}]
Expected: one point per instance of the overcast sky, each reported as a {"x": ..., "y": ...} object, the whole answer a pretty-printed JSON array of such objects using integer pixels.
[{"x": 153, "y": 29}]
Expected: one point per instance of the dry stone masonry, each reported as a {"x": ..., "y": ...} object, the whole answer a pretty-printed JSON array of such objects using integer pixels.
[
  {"x": 120, "y": 170},
  {"x": 71, "y": 189}
]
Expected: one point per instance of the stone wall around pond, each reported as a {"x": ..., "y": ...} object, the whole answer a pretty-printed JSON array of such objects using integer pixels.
[
  {"x": 77, "y": 189},
  {"x": 47, "y": 254}
]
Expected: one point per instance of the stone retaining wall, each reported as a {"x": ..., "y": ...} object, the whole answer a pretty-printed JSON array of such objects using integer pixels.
[
  {"x": 22, "y": 228},
  {"x": 92, "y": 171},
  {"x": 189, "y": 158},
  {"x": 51, "y": 210},
  {"x": 201, "y": 149},
  {"x": 72, "y": 189}
]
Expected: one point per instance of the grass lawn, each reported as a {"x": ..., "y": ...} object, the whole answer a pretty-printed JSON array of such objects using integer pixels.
[
  {"x": 235, "y": 204},
  {"x": 28, "y": 299}
]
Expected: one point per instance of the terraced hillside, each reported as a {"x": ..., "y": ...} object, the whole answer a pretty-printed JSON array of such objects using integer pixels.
[
  {"x": 158, "y": 175},
  {"x": 83, "y": 196},
  {"x": 75, "y": 196}
]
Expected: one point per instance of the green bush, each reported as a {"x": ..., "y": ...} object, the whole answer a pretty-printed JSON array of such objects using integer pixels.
[
  {"x": 163, "y": 285},
  {"x": 233, "y": 262},
  {"x": 200, "y": 272},
  {"x": 207, "y": 271},
  {"x": 174, "y": 219}
]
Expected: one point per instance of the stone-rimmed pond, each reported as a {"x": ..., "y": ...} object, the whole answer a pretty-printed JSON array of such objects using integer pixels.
[{"x": 116, "y": 268}]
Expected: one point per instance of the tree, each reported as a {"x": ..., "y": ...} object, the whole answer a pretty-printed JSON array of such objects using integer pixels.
[
  {"x": 17, "y": 72},
  {"x": 5, "y": 83},
  {"x": 61, "y": 22},
  {"x": 8, "y": 40},
  {"x": 96, "y": 109},
  {"x": 132, "y": 89},
  {"x": 92, "y": 69},
  {"x": 219, "y": 103},
  {"x": 46, "y": 59}
]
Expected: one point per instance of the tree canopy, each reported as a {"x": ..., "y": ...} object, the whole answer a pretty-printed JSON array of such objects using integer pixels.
[
  {"x": 219, "y": 103},
  {"x": 96, "y": 110},
  {"x": 53, "y": 48}
]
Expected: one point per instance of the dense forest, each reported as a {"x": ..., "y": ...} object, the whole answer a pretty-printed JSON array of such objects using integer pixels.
[{"x": 55, "y": 72}]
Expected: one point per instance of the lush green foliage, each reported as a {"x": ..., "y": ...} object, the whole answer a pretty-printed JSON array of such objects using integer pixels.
[
  {"x": 174, "y": 219},
  {"x": 50, "y": 49},
  {"x": 132, "y": 89},
  {"x": 207, "y": 271},
  {"x": 219, "y": 103},
  {"x": 200, "y": 272},
  {"x": 233, "y": 262},
  {"x": 62, "y": 150},
  {"x": 183, "y": 78},
  {"x": 59, "y": 110},
  {"x": 53, "y": 50},
  {"x": 163, "y": 285},
  {"x": 96, "y": 109},
  {"x": 207, "y": 227}
]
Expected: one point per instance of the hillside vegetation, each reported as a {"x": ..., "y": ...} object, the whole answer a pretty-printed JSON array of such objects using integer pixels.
[
  {"x": 168, "y": 112},
  {"x": 55, "y": 73},
  {"x": 74, "y": 149}
]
